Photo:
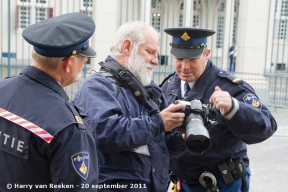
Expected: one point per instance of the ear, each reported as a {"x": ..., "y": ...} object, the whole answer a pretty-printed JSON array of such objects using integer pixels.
[
  {"x": 126, "y": 47},
  {"x": 67, "y": 64},
  {"x": 207, "y": 53}
]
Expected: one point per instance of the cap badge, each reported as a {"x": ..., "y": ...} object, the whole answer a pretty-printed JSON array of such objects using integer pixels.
[
  {"x": 74, "y": 52},
  {"x": 185, "y": 36}
]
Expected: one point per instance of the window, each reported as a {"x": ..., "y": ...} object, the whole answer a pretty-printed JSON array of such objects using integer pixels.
[
  {"x": 181, "y": 19},
  {"x": 156, "y": 3},
  {"x": 24, "y": 17},
  {"x": 281, "y": 67},
  {"x": 284, "y": 8},
  {"x": 41, "y": 14},
  {"x": 156, "y": 14},
  {"x": 195, "y": 20},
  {"x": 222, "y": 7},
  {"x": 86, "y": 7},
  {"x": 235, "y": 20},
  {"x": 220, "y": 27},
  {"x": 281, "y": 7},
  {"x": 197, "y": 6},
  {"x": 24, "y": 10},
  {"x": 282, "y": 32},
  {"x": 156, "y": 19}
]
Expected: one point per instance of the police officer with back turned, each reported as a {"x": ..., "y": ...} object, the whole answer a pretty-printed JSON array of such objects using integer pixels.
[
  {"x": 44, "y": 143},
  {"x": 241, "y": 116}
]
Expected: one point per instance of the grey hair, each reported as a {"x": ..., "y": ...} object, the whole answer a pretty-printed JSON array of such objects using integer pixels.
[
  {"x": 48, "y": 62},
  {"x": 133, "y": 31}
]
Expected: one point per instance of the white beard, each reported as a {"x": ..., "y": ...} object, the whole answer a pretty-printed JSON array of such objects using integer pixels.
[{"x": 138, "y": 67}]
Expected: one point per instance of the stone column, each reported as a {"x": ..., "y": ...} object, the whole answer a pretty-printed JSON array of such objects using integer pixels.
[
  {"x": 252, "y": 35},
  {"x": 106, "y": 26},
  {"x": 146, "y": 11},
  {"x": 228, "y": 33},
  {"x": 188, "y": 13}
]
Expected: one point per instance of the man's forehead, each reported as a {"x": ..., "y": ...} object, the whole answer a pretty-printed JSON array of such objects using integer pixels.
[{"x": 151, "y": 46}]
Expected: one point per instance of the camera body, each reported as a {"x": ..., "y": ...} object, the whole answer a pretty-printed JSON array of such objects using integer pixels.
[{"x": 197, "y": 118}]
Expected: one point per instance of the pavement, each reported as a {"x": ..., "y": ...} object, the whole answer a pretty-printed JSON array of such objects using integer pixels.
[{"x": 269, "y": 159}]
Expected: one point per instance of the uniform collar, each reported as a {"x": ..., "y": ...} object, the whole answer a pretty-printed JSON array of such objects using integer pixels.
[{"x": 45, "y": 79}]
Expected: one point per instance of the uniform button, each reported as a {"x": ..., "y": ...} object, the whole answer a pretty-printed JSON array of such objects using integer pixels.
[
  {"x": 153, "y": 170},
  {"x": 220, "y": 72},
  {"x": 69, "y": 101}
]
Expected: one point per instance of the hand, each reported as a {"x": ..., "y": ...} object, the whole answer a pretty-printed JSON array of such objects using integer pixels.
[
  {"x": 171, "y": 118},
  {"x": 183, "y": 136},
  {"x": 221, "y": 100}
]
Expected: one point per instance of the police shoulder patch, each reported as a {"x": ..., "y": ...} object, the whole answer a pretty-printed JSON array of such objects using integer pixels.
[
  {"x": 251, "y": 99},
  {"x": 80, "y": 162}
]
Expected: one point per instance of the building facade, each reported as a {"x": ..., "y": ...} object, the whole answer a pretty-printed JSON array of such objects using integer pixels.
[{"x": 258, "y": 28}]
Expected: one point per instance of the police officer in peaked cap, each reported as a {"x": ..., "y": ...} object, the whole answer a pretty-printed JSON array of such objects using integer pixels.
[
  {"x": 44, "y": 142},
  {"x": 241, "y": 116}
]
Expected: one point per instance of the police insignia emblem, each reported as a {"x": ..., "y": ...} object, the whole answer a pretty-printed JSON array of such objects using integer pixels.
[
  {"x": 80, "y": 162},
  {"x": 251, "y": 99},
  {"x": 185, "y": 36},
  {"x": 79, "y": 120}
]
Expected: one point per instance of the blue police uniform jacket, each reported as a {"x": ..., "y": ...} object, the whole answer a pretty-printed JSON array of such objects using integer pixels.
[
  {"x": 60, "y": 154},
  {"x": 121, "y": 130},
  {"x": 252, "y": 123}
]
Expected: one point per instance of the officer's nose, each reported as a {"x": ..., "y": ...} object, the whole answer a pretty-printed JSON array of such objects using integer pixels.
[{"x": 185, "y": 64}]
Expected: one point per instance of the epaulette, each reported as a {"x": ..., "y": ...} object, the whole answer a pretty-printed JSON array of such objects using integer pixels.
[
  {"x": 234, "y": 79},
  {"x": 230, "y": 76},
  {"x": 166, "y": 78},
  {"x": 9, "y": 77}
]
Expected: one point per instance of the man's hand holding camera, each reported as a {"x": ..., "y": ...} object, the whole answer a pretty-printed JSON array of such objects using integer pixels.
[{"x": 171, "y": 118}]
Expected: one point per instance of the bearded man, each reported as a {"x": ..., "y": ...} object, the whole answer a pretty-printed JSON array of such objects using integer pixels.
[{"x": 130, "y": 115}]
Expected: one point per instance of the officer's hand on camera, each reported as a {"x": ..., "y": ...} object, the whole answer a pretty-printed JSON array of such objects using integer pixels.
[
  {"x": 171, "y": 118},
  {"x": 221, "y": 100}
]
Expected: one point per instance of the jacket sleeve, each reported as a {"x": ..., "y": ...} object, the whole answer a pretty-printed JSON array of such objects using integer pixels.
[
  {"x": 176, "y": 145},
  {"x": 253, "y": 122},
  {"x": 114, "y": 131},
  {"x": 72, "y": 158}
]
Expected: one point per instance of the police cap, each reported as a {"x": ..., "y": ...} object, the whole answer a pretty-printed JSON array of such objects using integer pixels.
[
  {"x": 188, "y": 42},
  {"x": 62, "y": 35}
]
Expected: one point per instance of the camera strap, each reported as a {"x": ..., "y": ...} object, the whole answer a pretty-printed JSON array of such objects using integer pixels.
[{"x": 126, "y": 78}]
